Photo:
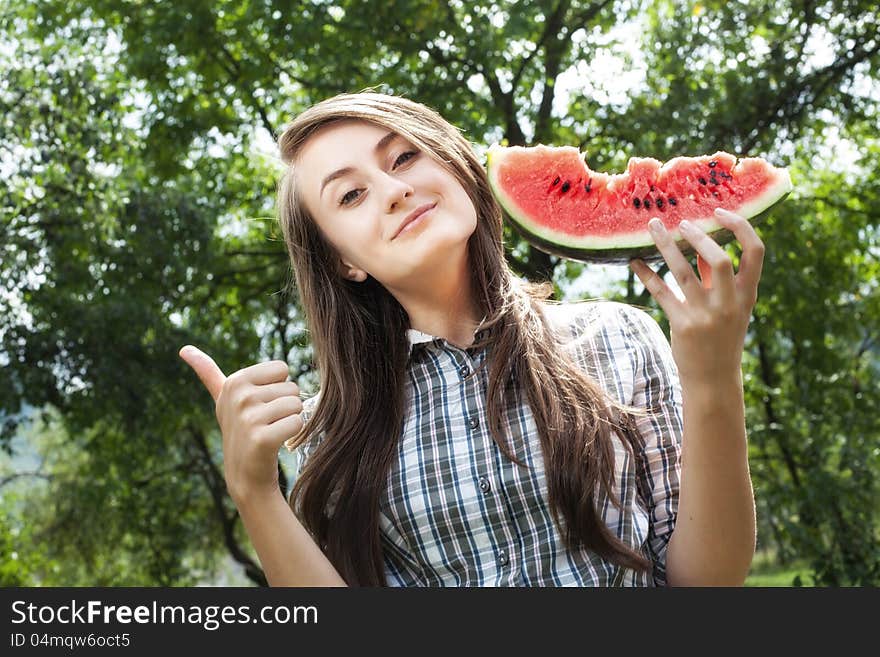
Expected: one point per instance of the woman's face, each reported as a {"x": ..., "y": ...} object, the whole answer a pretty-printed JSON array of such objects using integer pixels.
[{"x": 363, "y": 184}]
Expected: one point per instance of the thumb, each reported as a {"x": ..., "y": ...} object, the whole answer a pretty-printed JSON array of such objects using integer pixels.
[{"x": 205, "y": 367}]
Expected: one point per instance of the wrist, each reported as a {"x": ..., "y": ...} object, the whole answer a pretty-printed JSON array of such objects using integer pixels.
[
  {"x": 255, "y": 497},
  {"x": 729, "y": 377},
  {"x": 720, "y": 393}
]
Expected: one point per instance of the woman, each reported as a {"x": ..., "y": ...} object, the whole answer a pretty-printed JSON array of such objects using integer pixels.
[{"x": 467, "y": 431}]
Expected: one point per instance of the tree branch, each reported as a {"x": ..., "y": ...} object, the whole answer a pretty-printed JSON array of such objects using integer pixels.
[
  {"x": 793, "y": 100},
  {"x": 553, "y": 51},
  {"x": 561, "y": 28},
  {"x": 180, "y": 467},
  {"x": 769, "y": 379},
  {"x": 230, "y": 254},
  {"x": 18, "y": 475},
  {"x": 581, "y": 20},
  {"x": 236, "y": 74},
  {"x": 236, "y": 272}
]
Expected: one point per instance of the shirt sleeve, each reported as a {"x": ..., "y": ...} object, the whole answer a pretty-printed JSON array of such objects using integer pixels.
[
  {"x": 304, "y": 451},
  {"x": 656, "y": 388}
]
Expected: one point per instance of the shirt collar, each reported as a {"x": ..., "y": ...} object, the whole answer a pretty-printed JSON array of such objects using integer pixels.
[{"x": 417, "y": 337}]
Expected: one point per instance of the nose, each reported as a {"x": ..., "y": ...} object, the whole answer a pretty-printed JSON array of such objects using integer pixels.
[{"x": 396, "y": 190}]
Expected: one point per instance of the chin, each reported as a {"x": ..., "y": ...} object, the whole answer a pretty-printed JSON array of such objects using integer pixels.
[{"x": 433, "y": 255}]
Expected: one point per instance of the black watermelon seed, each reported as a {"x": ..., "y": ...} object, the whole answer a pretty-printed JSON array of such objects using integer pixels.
[
  {"x": 587, "y": 189},
  {"x": 566, "y": 186},
  {"x": 555, "y": 182},
  {"x": 702, "y": 181},
  {"x": 712, "y": 164},
  {"x": 652, "y": 188},
  {"x": 726, "y": 176},
  {"x": 716, "y": 195},
  {"x": 659, "y": 203},
  {"x": 647, "y": 204},
  {"x": 637, "y": 203},
  {"x": 672, "y": 201}
]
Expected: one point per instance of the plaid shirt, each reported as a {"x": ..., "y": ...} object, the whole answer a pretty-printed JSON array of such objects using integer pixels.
[{"x": 456, "y": 512}]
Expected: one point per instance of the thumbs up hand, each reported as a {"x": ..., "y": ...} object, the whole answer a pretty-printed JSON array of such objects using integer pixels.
[{"x": 258, "y": 409}]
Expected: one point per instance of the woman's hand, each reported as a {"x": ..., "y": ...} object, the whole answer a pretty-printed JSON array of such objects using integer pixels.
[
  {"x": 708, "y": 327},
  {"x": 257, "y": 409}
]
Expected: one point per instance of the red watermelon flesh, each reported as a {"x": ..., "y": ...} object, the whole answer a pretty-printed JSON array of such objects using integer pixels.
[{"x": 563, "y": 207}]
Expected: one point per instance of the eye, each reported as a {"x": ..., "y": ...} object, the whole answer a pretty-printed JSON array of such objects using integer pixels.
[
  {"x": 403, "y": 158},
  {"x": 350, "y": 197}
]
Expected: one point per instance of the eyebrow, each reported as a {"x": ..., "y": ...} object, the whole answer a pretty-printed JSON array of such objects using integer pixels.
[{"x": 344, "y": 171}]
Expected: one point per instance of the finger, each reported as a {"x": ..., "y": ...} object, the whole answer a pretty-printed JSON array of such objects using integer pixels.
[
  {"x": 705, "y": 272},
  {"x": 281, "y": 431},
  {"x": 212, "y": 377},
  {"x": 657, "y": 287},
  {"x": 679, "y": 266},
  {"x": 278, "y": 409},
  {"x": 271, "y": 391},
  {"x": 751, "y": 261},
  {"x": 271, "y": 371},
  {"x": 719, "y": 262}
]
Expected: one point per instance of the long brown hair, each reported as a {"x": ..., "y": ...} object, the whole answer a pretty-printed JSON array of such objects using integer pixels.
[{"x": 358, "y": 332}]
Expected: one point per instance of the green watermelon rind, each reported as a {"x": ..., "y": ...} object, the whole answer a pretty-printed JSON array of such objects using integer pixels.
[
  {"x": 622, "y": 255},
  {"x": 635, "y": 245}
]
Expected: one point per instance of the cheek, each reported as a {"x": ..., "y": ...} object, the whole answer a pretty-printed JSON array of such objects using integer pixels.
[
  {"x": 466, "y": 206},
  {"x": 352, "y": 236},
  {"x": 458, "y": 197}
]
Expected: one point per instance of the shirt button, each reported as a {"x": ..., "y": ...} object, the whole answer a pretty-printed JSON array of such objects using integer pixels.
[
  {"x": 464, "y": 371},
  {"x": 502, "y": 558},
  {"x": 474, "y": 422},
  {"x": 485, "y": 486}
]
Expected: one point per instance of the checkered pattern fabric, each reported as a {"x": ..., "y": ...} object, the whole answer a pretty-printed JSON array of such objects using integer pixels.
[{"x": 457, "y": 512}]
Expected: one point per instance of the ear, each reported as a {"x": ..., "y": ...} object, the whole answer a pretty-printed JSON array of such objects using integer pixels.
[{"x": 349, "y": 272}]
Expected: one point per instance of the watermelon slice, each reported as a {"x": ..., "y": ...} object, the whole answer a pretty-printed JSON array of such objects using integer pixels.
[{"x": 562, "y": 207}]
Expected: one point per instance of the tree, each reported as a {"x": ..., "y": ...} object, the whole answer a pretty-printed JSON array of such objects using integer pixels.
[{"x": 137, "y": 217}]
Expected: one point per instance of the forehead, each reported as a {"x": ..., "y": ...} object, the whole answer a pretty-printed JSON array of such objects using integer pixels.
[{"x": 338, "y": 140}]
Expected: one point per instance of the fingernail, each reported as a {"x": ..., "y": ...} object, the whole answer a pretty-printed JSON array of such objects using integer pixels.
[
  {"x": 188, "y": 350},
  {"x": 656, "y": 226},
  {"x": 686, "y": 225},
  {"x": 721, "y": 212}
]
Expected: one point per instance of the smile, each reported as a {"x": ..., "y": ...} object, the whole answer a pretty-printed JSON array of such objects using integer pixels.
[{"x": 415, "y": 219}]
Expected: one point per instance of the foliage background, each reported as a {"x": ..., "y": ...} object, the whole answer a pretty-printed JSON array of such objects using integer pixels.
[{"x": 136, "y": 215}]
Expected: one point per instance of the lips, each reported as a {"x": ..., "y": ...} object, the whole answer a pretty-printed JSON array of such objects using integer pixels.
[{"x": 412, "y": 216}]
